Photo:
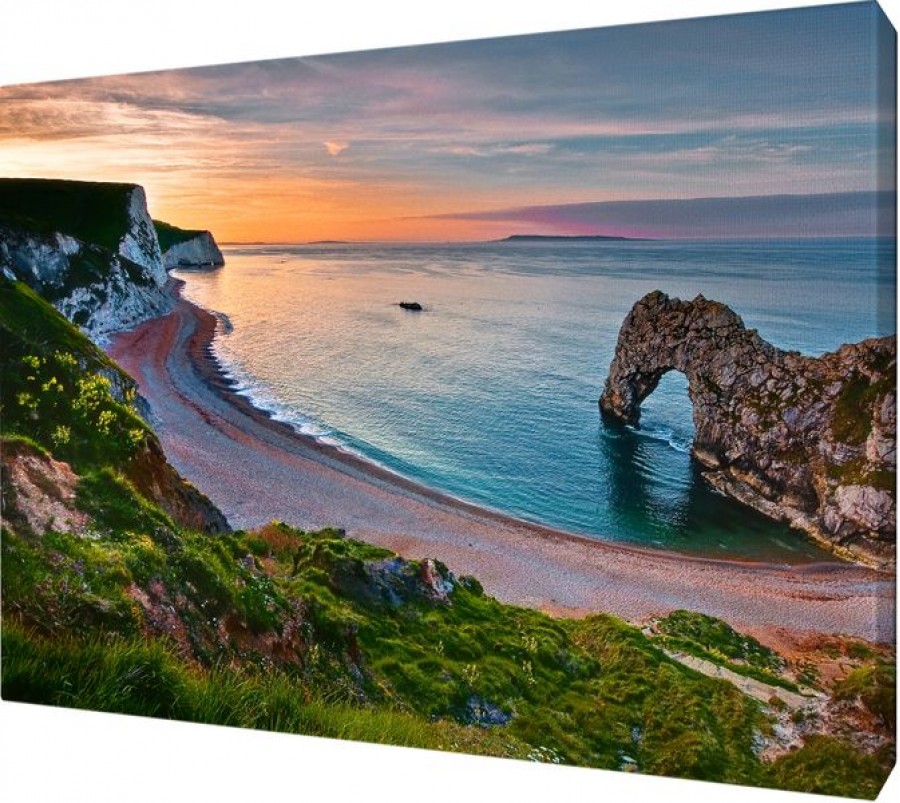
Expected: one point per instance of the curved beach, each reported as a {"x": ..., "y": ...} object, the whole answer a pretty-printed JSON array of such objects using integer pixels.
[{"x": 257, "y": 469}]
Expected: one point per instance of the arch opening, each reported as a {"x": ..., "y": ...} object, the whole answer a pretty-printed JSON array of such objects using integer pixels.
[{"x": 666, "y": 411}]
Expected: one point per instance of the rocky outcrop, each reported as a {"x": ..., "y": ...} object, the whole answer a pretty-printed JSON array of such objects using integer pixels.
[
  {"x": 806, "y": 440},
  {"x": 155, "y": 478},
  {"x": 393, "y": 581},
  {"x": 39, "y": 492},
  {"x": 90, "y": 249},
  {"x": 185, "y": 248}
]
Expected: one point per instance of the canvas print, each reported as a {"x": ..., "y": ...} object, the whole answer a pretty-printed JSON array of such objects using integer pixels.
[{"x": 530, "y": 397}]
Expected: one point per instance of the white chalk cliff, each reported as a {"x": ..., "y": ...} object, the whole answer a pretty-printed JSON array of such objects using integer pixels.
[
  {"x": 200, "y": 250},
  {"x": 91, "y": 249}
]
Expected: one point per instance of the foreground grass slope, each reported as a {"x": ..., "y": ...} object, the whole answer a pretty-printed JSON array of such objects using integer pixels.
[
  {"x": 113, "y": 601},
  {"x": 64, "y": 395}
]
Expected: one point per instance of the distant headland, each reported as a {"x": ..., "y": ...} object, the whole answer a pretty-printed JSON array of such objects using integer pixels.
[{"x": 550, "y": 238}]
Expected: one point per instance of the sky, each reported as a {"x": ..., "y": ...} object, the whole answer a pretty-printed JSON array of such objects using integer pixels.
[{"x": 631, "y": 130}]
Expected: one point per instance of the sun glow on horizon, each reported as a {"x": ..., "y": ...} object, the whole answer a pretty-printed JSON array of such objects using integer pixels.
[{"x": 481, "y": 140}]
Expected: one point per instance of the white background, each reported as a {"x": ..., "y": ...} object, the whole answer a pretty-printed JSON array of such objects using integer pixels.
[{"x": 52, "y": 754}]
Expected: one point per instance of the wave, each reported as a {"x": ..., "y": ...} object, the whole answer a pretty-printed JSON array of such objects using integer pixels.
[
  {"x": 264, "y": 398},
  {"x": 224, "y": 324},
  {"x": 660, "y": 432}
]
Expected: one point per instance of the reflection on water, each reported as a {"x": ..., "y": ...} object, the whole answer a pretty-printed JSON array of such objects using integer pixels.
[{"x": 653, "y": 489}]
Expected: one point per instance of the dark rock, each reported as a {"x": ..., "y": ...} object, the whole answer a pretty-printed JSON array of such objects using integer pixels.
[
  {"x": 155, "y": 478},
  {"x": 806, "y": 440},
  {"x": 412, "y": 306},
  {"x": 393, "y": 581},
  {"x": 478, "y": 711}
]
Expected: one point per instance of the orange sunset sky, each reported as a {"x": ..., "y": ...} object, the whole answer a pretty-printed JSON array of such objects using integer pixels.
[{"x": 789, "y": 116}]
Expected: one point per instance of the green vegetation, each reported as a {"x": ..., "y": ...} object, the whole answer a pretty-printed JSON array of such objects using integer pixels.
[
  {"x": 852, "y": 419},
  {"x": 115, "y": 605},
  {"x": 857, "y": 472},
  {"x": 60, "y": 390},
  {"x": 823, "y": 766},
  {"x": 27, "y": 318},
  {"x": 91, "y": 212},
  {"x": 357, "y": 629},
  {"x": 851, "y": 423},
  {"x": 317, "y": 633},
  {"x": 712, "y": 639},
  {"x": 338, "y": 620},
  {"x": 874, "y": 685},
  {"x": 134, "y": 676},
  {"x": 170, "y": 235}
]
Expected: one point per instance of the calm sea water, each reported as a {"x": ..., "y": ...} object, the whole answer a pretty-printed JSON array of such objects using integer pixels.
[{"x": 490, "y": 394}]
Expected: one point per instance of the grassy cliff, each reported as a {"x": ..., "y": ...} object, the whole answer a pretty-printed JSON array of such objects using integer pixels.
[
  {"x": 170, "y": 235},
  {"x": 93, "y": 212},
  {"x": 115, "y": 602},
  {"x": 64, "y": 396}
]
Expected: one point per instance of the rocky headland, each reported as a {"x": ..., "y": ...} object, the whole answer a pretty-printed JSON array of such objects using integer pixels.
[
  {"x": 93, "y": 250},
  {"x": 187, "y": 248},
  {"x": 806, "y": 440}
]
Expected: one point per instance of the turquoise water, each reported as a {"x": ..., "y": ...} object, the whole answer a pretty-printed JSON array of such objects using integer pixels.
[{"x": 490, "y": 394}]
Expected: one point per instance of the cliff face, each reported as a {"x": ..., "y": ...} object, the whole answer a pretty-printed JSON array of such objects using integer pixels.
[
  {"x": 90, "y": 249},
  {"x": 186, "y": 248},
  {"x": 810, "y": 441}
]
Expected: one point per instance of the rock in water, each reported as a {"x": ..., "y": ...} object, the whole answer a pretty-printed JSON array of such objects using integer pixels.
[
  {"x": 412, "y": 306},
  {"x": 806, "y": 440}
]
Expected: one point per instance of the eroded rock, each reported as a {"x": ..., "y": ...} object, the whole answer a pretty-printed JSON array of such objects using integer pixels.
[{"x": 806, "y": 440}]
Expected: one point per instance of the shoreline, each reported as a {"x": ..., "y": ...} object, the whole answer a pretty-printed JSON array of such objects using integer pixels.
[{"x": 255, "y": 468}]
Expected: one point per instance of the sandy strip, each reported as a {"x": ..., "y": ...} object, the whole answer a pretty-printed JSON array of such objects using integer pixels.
[{"x": 256, "y": 469}]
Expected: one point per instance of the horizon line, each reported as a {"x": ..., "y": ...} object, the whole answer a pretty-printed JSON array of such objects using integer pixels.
[{"x": 613, "y": 238}]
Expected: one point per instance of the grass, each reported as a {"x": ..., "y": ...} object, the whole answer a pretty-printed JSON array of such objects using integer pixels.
[
  {"x": 317, "y": 633},
  {"x": 713, "y": 640},
  {"x": 83, "y": 416},
  {"x": 874, "y": 685},
  {"x": 90, "y": 211},
  {"x": 170, "y": 235},
  {"x": 578, "y": 690},
  {"x": 133, "y": 676},
  {"x": 27, "y": 318},
  {"x": 825, "y": 766}
]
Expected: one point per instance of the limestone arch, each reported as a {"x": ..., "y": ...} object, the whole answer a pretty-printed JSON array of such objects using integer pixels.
[{"x": 807, "y": 440}]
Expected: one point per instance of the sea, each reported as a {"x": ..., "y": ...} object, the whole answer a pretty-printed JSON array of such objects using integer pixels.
[{"x": 490, "y": 393}]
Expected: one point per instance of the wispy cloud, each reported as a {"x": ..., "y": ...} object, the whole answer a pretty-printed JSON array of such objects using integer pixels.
[
  {"x": 755, "y": 105},
  {"x": 488, "y": 151}
]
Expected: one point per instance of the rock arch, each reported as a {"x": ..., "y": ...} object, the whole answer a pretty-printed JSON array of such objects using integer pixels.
[{"x": 807, "y": 440}]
